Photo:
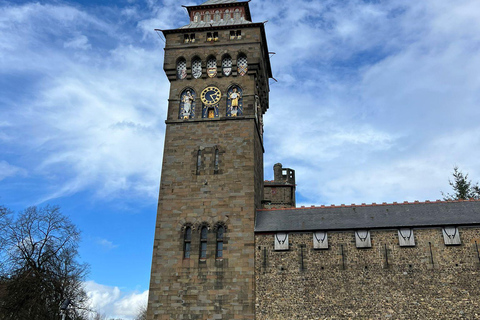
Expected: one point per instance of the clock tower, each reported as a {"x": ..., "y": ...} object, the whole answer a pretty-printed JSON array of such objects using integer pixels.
[{"x": 212, "y": 170}]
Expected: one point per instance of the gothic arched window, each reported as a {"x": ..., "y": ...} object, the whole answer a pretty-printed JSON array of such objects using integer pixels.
[
  {"x": 187, "y": 240},
  {"x": 187, "y": 104},
  {"x": 196, "y": 18},
  {"x": 220, "y": 236},
  {"x": 227, "y": 15},
  {"x": 207, "y": 16},
  {"x": 212, "y": 67},
  {"x": 227, "y": 65},
  {"x": 216, "y": 16},
  {"x": 196, "y": 68},
  {"x": 181, "y": 68},
  {"x": 236, "y": 14},
  {"x": 242, "y": 65},
  {"x": 215, "y": 161},
  {"x": 234, "y": 101},
  {"x": 203, "y": 243},
  {"x": 199, "y": 160}
]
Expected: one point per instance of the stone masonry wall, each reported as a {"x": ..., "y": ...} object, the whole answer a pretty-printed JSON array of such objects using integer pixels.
[
  {"x": 212, "y": 288},
  {"x": 194, "y": 288},
  {"x": 383, "y": 282},
  {"x": 278, "y": 196}
]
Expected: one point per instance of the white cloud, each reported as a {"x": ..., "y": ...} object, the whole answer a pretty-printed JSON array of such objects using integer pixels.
[
  {"x": 97, "y": 118},
  {"x": 106, "y": 244},
  {"x": 365, "y": 87},
  {"x": 7, "y": 170},
  {"x": 380, "y": 104},
  {"x": 79, "y": 42},
  {"x": 113, "y": 302}
]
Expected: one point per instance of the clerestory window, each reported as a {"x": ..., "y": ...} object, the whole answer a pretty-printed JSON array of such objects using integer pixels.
[
  {"x": 187, "y": 246},
  {"x": 220, "y": 236},
  {"x": 203, "y": 243}
]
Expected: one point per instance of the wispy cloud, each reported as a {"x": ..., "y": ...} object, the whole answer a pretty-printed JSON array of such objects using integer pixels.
[{"x": 106, "y": 244}]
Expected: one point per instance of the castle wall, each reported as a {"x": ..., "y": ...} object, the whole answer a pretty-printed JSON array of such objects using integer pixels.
[{"x": 428, "y": 281}]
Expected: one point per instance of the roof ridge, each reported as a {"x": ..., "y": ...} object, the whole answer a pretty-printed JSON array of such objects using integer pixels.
[{"x": 373, "y": 204}]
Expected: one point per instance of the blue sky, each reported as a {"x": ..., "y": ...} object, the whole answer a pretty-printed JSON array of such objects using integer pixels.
[{"x": 380, "y": 99}]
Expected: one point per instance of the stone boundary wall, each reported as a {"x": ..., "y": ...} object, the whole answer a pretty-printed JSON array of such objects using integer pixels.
[{"x": 386, "y": 281}]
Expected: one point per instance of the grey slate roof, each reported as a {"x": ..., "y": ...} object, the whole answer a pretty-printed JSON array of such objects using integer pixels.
[
  {"x": 417, "y": 214},
  {"x": 218, "y": 2}
]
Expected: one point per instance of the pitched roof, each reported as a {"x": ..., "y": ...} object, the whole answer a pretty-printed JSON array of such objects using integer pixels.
[
  {"x": 393, "y": 215},
  {"x": 217, "y": 2}
]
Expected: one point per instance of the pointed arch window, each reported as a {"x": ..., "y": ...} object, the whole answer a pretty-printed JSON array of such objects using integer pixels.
[
  {"x": 196, "y": 68},
  {"x": 227, "y": 65},
  {"x": 220, "y": 237},
  {"x": 199, "y": 160},
  {"x": 234, "y": 102},
  {"x": 187, "y": 242},
  {"x": 187, "y": 104},
  {"x": 216, "y": 16},
  {"x": 242, "y": 65},
  {"x": 181, "y": 69},
  {"x": 215, "y": 162},
  {"x": 203, "y": 242},
  {"x": 207, "y": 16}
]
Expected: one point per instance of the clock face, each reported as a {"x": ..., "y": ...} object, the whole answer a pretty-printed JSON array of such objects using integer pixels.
[{"x": 211, "y": 95}]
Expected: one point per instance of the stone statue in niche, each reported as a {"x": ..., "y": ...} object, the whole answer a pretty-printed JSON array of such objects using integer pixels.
[
  {"x": 187, "y": 105},
  {"x": 234, "y": 102}
]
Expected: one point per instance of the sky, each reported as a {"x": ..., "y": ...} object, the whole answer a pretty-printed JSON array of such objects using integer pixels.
[{"x": 375, "y": 101}]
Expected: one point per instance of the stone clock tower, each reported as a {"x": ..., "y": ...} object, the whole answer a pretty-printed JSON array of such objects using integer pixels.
[{"x": 212, "y": 173}]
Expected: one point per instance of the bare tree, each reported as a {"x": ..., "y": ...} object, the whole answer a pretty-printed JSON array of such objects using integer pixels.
[
  {"x": 4, "y": 223},
  {"x": 142, "y": 313},
  {"x": 41, "y": 267}
]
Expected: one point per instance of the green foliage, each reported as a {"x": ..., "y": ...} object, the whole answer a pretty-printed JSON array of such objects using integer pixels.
[
  {"x": 462, "y": 187},
  {"x": 40, "y": 266}
]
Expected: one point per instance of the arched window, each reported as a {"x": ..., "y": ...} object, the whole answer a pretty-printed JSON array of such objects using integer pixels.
[
  {"x": 216, "y": 17},
  {"x": 212, "y": 67},
  {"x": 220, "y": 236},
  {"x": 227, "y": 65},
  {"x": 207, "y": 16},
  {"x": 187, "y": 104},
  {"x": 187, "y": 242},
  {"x": 215, "y": 161},
  {"x": 236, "y": 14},
  {"x": 242, "y": 65},
  {"x": 196, "y": 18},
  {"x": 199, "y": 160},
  {"x": 203, "y": 243},
  {"x": 181, "y": 69},
  {"x": 196, "y": 68},
  {"x": 234, "y": 101},
  {"x": 227, "y": 15}
]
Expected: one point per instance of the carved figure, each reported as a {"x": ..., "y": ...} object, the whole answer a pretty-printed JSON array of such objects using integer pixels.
[
  {"x": 187, "y": 104},
  {"x": 234, "y": 96}
]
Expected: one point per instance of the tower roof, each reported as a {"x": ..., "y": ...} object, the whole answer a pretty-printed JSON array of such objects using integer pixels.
[{"x": 211, "y": 6}]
